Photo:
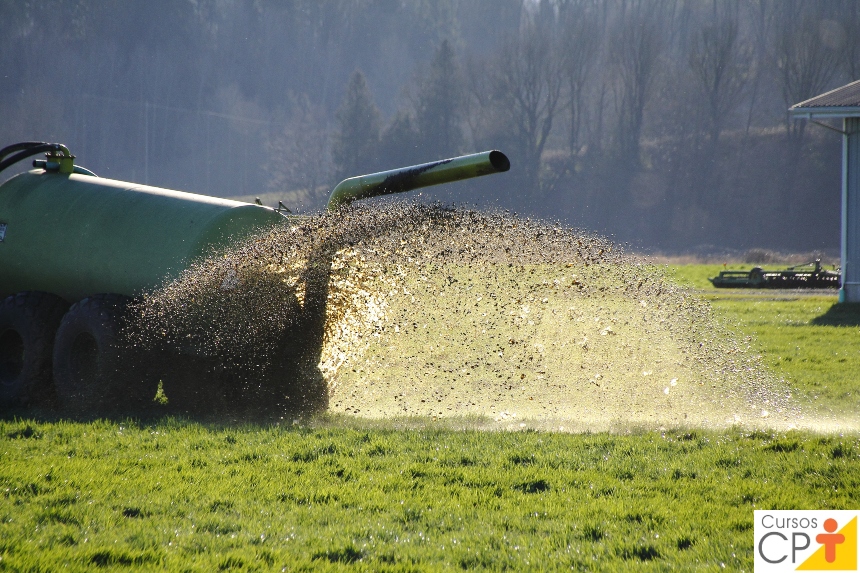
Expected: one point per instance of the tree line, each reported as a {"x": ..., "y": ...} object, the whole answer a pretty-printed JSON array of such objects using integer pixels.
[{"x": 662, "y": 122}]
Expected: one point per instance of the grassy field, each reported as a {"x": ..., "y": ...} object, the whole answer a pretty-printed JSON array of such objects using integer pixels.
[
  {"x": 187, "y": 496},
  {"x": 808, "y": 338},
  {"x": 336, "y": 494}
]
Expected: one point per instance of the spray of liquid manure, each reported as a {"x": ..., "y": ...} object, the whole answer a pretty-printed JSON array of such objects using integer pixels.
[{"x": 398, "y": 311}]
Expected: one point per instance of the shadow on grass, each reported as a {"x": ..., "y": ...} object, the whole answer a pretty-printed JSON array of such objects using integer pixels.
[
  {"x": 149, "y": 417},
  {"x": 843, "y": 314}
]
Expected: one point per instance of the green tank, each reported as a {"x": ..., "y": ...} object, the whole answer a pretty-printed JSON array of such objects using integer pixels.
[{"x": 77, "y": 235}]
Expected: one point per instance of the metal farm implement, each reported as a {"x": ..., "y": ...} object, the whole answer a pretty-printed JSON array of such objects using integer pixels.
[{"x": 807, "y": 275}]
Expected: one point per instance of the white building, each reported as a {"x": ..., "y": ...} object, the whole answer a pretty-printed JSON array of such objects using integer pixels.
[{"x": 843, "y": 103}]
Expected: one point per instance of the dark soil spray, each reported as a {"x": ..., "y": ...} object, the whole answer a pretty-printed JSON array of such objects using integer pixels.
[{"x": 400, "y": 311}]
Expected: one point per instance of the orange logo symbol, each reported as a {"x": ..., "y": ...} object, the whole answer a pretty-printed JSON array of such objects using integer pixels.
[{"x": 838, "y": 551}]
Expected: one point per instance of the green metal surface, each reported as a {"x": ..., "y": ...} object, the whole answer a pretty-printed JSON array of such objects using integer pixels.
[
  {"x": 409, "y": 178},
  {"x": 75, "y": 235}
]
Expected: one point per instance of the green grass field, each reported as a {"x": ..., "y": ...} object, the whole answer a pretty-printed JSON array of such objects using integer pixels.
[
  {"x": 809, "y": 339},
  {"x": 415, "y": 495},
  {"x": 187, "y": 496}
]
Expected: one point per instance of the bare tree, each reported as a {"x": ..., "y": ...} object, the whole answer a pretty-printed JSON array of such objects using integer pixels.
[
  {"x": 580, "y": 45},
  {"x": 720, "y": 66},
  {"x": 761, "y": 21},
  {"x": 850, "y": 23},
  {"x": 480, "y": 109},
  {"x": 634, "y": 54},
  {"x": 526, "y": 83},
  {"x": 806, "y": 64}
]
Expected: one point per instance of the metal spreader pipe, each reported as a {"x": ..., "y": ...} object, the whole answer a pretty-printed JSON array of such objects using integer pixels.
[{"x": 417, "y": 176}]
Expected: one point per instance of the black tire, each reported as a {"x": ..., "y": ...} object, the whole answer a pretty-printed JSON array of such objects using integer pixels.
[
  {"x": 92, "y": 361},
  {"x": 28, "y": 322},
  {"x": 757, "y": 276}
]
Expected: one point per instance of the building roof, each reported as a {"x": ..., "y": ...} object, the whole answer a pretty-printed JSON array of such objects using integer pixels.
[{"x": 841, "y": 102}]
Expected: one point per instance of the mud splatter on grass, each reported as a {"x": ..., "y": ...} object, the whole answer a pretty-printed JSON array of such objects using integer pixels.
[{"x": 404, "y": 310}]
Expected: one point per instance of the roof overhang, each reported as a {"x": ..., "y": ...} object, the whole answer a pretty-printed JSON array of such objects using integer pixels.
[
  {"x": 823, "y": 112},
  {"x": 838, "y": 103}
]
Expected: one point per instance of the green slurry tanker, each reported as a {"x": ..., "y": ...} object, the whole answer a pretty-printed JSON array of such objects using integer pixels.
[{"x": 75, "y": 248}]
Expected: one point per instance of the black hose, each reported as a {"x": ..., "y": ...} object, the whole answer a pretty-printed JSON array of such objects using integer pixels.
[
  {"x": 19, "y": 147},
  {"x": 25, "y": 150}
]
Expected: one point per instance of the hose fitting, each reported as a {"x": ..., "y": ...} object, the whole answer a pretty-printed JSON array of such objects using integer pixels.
[{"x": 56, "y": 153}]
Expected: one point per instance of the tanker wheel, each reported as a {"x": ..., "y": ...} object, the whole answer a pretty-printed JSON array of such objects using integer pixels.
[
  {"x": 92, "y": 362},
  {"x": 28, "y": 322}
]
